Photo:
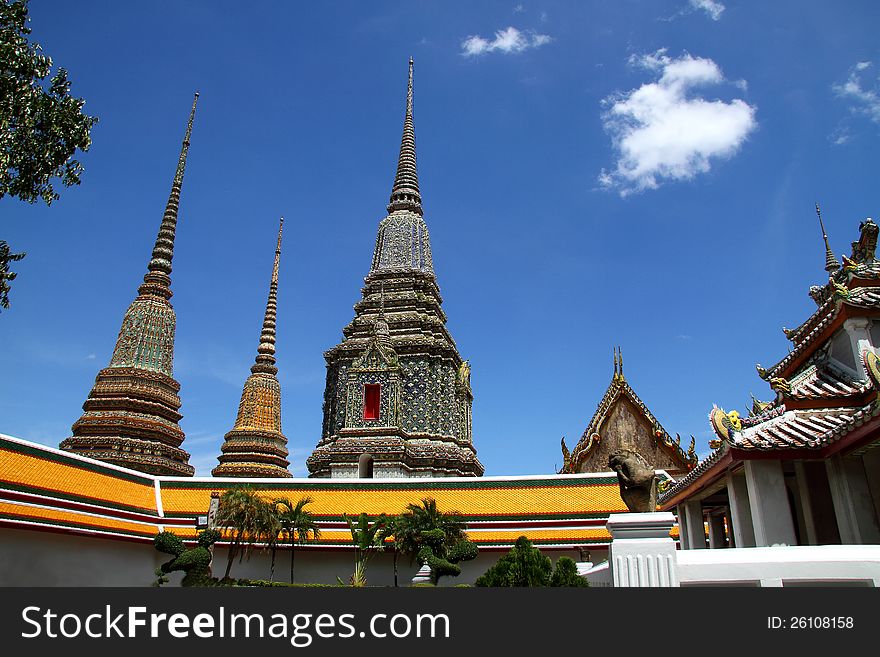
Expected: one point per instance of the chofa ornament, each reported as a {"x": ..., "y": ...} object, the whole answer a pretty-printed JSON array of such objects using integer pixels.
[{"x": 872, "y": 367}]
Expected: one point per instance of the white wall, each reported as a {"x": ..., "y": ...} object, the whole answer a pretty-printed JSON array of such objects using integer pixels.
[
  {"x": 781, "y": 566},
  {"x": 39, "y": 558}
]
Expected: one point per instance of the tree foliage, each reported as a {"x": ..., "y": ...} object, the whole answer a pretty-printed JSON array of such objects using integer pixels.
[
  {"x": 6, "y": 256},
  {"x": 435, "y": 538},
  {"x": 565, "y": 574},
  {"x": 248, "y": 519},
  {"x": 41, "y": 124},
  {"x": 195, "y": 562},
  {"x": 298, "y": 526},
  {"x": 525, "y": 565},
  {"x": 368, "y": 538}
]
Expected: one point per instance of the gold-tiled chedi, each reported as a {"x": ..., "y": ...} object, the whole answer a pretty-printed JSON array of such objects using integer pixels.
[
  {"x": 131, "y": 415},
  {"x": 256, "y": 447}
]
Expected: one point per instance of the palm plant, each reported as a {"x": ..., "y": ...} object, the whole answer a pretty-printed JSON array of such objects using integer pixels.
[
  {"x": 246, "y": 518},
  {"x": 434, "y": 537},
  {"x": 368, "y": 538},
  {"x": 296, "y": 524}
]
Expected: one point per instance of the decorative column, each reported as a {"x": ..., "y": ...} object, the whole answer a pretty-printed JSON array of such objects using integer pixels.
[
  {"x": 696, "y": 530},
  {"x": 768, "y": 499},
  {"x": 853, "y": 506},
  {"x": 642, "y": 553},
  {"x": 717, "y": 538},
  {"x": 683, "y": 529},
  {"x": 741, "y": 513},
  {"x": 806, "y": 503}
]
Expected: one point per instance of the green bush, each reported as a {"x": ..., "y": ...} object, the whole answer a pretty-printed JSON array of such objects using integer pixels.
[
  {"x": 524, "y": 565},
  {"x": 566, "y": 574}
]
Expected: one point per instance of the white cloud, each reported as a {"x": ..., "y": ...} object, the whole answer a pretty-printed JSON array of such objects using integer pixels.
[
  {"x": 840, "y": 136},
  {"x": 508, "y": 40},
  {"x": 518, "y": 9},
  {"x": 662, "y": 131},
  {"x": 862, "y": 100},
  {"x": 713, "y": 8}
]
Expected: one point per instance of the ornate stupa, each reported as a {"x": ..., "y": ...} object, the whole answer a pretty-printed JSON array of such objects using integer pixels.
[
  {"x": 131, "y": 415},
  {"x": 256, "y": 447},
  {"x": 397, "y": 401}
]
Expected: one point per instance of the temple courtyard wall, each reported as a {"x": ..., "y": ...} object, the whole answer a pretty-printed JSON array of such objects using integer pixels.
[{"x": 39, "y": 558}]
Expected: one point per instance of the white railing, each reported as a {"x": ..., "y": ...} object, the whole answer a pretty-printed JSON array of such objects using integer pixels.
[
  {"x": 799, "y": 565},
  {"x": 642, "y": 554}
]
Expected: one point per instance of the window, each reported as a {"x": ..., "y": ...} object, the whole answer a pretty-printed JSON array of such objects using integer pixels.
[{"x": 371, "y": 401}]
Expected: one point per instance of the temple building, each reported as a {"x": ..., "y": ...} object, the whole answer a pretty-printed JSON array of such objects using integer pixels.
[
  {"x": 804, "y": 468},
  {"x": 622, "y": 420},
  {"x": 256, "y": 447},
  {"x": 397, "y": 401},
  {"x": 131, "y": 415}
]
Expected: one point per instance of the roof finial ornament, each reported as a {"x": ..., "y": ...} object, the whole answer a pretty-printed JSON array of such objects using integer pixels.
[
  {"x": 620, "y": 361},
  {"x": 616, "y": 373},
  {"x": 158, "y": 278},
  {"x": 265, "y": 361},
  {"x": 831, "y": 264},
  {"x": 405, "y": 192}
]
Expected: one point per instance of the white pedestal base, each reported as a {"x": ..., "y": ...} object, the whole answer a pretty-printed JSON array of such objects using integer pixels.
[{"x": 642, "y": 553}]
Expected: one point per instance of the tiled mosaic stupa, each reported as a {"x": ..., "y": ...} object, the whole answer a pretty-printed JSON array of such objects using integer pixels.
[
  {"x": 131, "y": 415},
  {"x": 397, "y": 401},
  {"x": 256, "y": 447}
]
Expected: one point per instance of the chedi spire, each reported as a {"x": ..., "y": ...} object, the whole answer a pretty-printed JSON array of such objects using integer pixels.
[
  {"x": 405, "y": 191},
  {"x": 831, "y": 264},
  {"x": 256, "y": 447},
  {"x": 131, "y": 415}
]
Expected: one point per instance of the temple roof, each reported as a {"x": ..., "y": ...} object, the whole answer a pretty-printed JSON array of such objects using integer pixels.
[
  {"x": 45, "y": 489},
  {"x": 617, "y": 388},
  {"x": 819, "y": 408},
  {"x": 854, "y": 288}
]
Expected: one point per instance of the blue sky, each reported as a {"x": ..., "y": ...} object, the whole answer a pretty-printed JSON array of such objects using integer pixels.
[{"x": 593, "y": 174}]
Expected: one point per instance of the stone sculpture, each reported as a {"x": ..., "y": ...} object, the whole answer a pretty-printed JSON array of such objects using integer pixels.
[{"x": 637, "y": 480}]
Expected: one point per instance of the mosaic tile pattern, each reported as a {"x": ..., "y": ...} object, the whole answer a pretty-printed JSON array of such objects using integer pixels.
[
  {"x": 398, "y": 339},
  {"x": 131, "y": 415}
]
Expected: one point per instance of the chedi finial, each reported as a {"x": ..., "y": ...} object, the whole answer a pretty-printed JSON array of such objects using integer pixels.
[
  {"x": 265, "y": 361},
  {"x": 157, "y": 282},
  {"x": 831, "y": 264},
  {"x": 405, "y": 191}
]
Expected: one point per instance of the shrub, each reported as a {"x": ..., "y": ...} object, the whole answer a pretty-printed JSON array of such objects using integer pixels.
[{"x": 566, "y": 574}]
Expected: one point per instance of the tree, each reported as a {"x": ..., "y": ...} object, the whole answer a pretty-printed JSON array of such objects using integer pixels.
[
  {"x": 195, "y": 562},
  {"x": 565, "y": 574},
  {"x": 5, "y": 275},
  {"x": 248, "y": 519},
  {"x": 434, "y": 538},
  {"x": 524, "y": 565},
  {"x": 297, "y": 524},
  {"x": 369, "y": 539},
  {"x": 40, "y": 127}
]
